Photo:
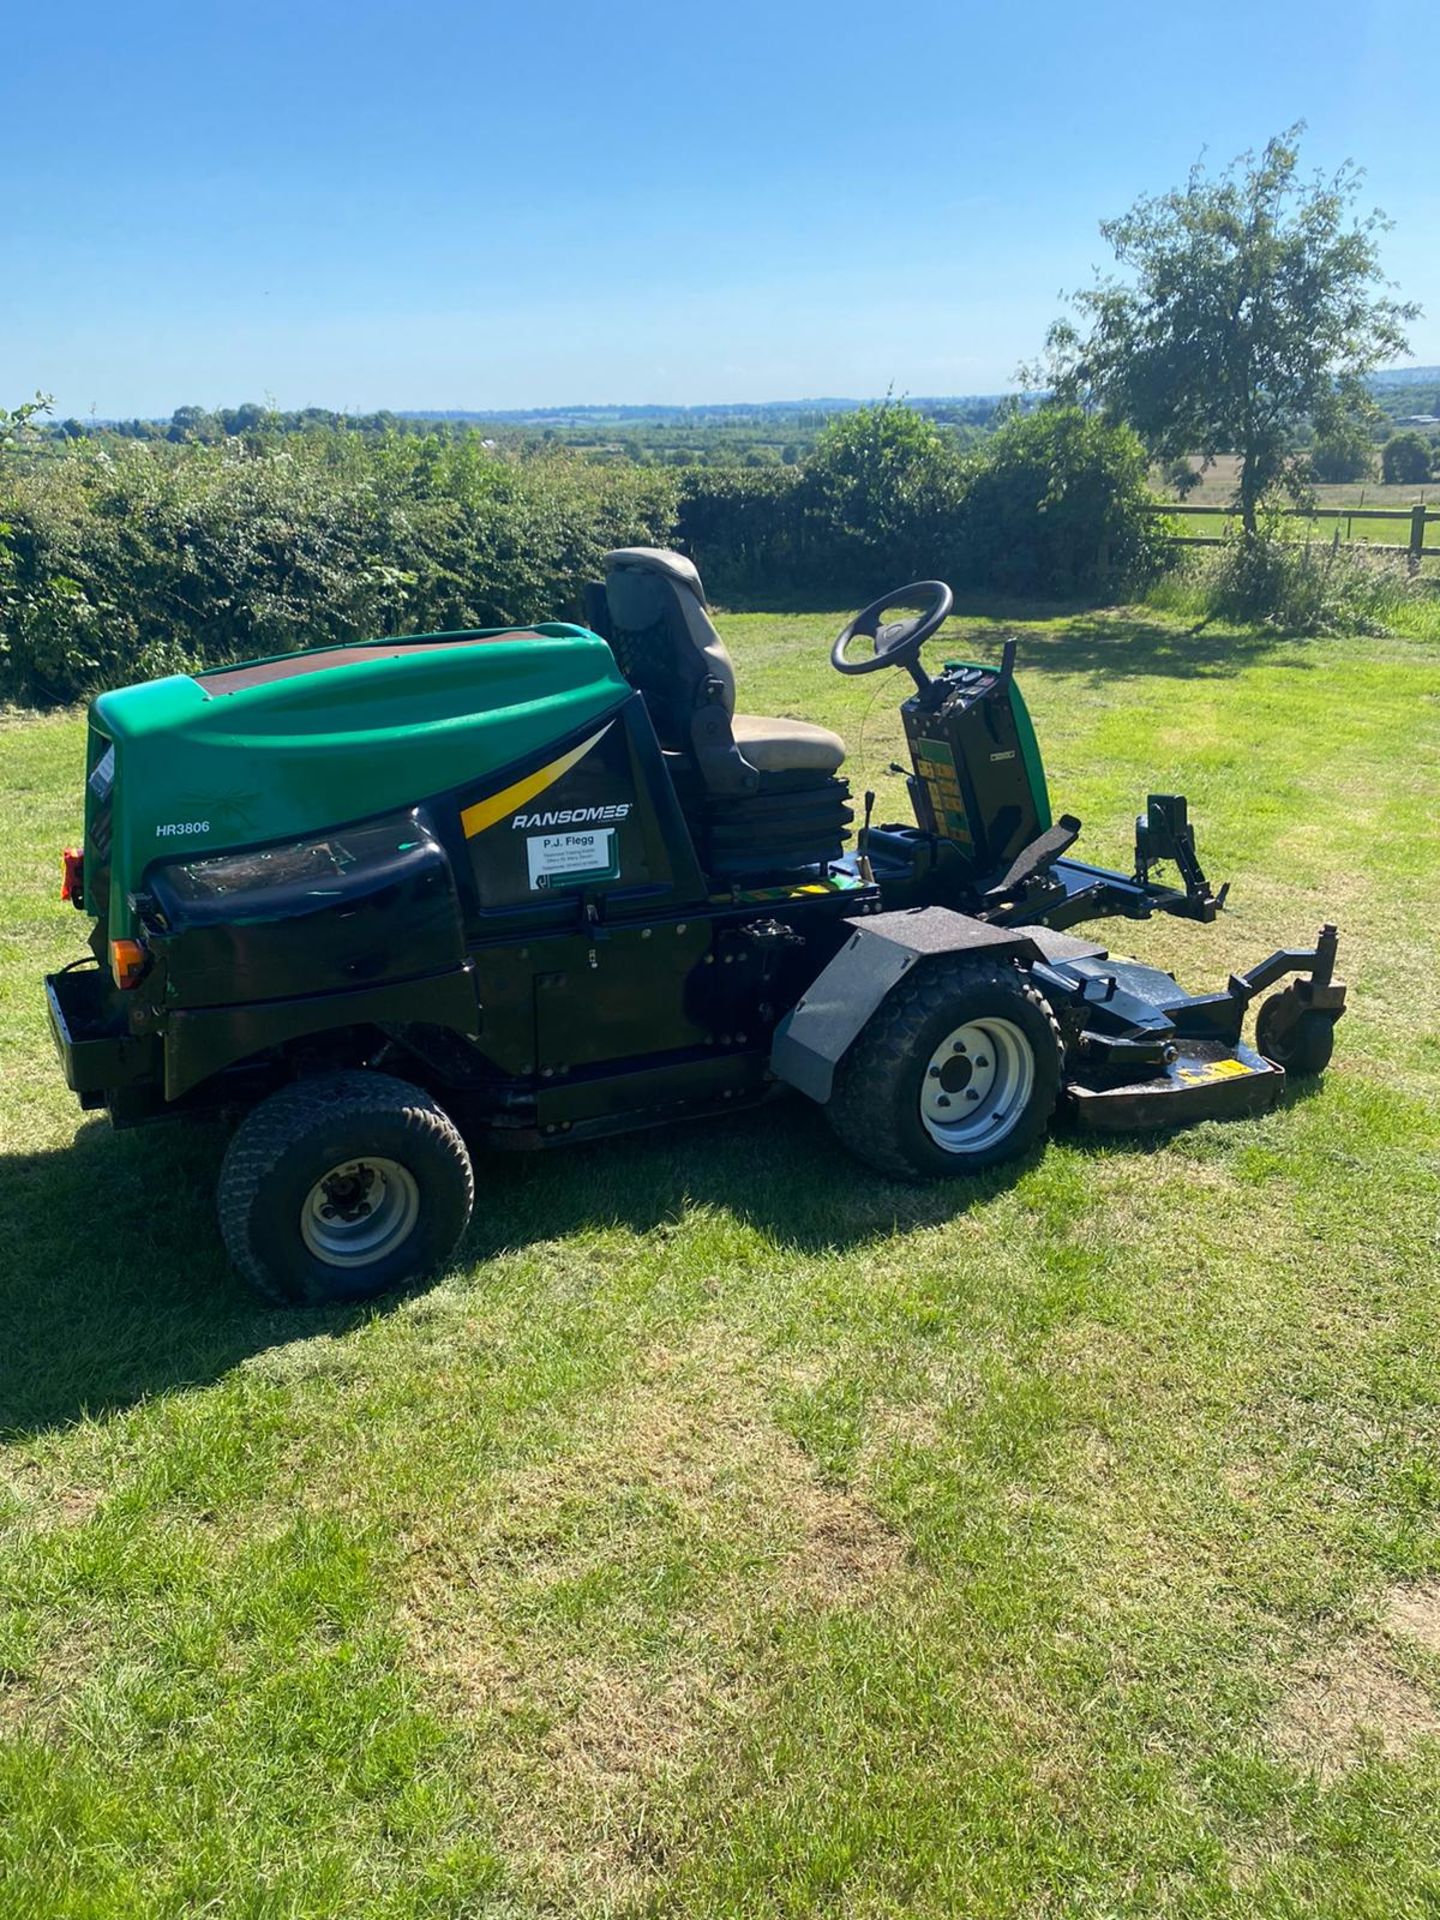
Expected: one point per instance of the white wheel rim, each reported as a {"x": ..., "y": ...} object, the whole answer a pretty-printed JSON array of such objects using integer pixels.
[
  {"x": 976, "y": 1086},
  {"x": 359, "y": 1212}
]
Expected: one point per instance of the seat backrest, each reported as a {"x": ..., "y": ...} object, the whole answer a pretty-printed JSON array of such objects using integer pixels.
[{"x": 664, "y": 639}]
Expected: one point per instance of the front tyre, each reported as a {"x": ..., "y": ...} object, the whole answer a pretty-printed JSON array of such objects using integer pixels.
[
  {"x": 341, "y": 1187},
  {"x": 958, "y": 1070}
]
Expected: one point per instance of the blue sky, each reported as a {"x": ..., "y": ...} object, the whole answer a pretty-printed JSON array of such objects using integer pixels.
[{"x": 448, "y": 205}]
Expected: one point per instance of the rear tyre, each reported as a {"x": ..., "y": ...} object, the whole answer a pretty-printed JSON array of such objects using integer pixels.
[
  {"x": 342, "y": 1187},
  {"x": 1298, "y": 1038},
  {"x": 958, "y": 1070}
]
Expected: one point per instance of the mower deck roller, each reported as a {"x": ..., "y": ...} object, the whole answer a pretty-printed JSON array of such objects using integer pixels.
[{"x": 386, "y": 903}]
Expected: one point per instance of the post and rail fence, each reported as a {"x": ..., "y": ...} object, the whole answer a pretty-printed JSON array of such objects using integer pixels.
[{"x": 1415, "y": 550}]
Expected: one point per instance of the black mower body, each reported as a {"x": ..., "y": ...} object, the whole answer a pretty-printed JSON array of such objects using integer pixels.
[{"x": 628, "y": 923}]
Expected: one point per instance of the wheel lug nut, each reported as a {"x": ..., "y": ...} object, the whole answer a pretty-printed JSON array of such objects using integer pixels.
[
  {"x": 959, "y": 1046},
  {"x": 981, "y": 1061},
  {"x": 972, "y": 1095},
  {"x": 934, "y": 1073},
  {"x": 943, "y": 1101}
]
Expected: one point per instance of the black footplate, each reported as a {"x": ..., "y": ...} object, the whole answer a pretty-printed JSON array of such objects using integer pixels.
[
  {"x": 1038, "y": 857},
  {"x": 1207, "y": 1080}
]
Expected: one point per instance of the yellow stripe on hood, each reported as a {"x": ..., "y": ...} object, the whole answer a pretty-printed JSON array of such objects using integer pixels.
[{"x": 485, "y": 813}]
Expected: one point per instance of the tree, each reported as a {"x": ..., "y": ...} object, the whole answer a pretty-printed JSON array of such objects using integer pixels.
[
  {"x": 1345, "y": 451},
  {"x": 248, "y": 418},
  {"x": 1253, "y": 301},
  {"x": 1405, "y": 460},
  {"x": 189, "y": 423},
  {"x": 12, "y": 425}
]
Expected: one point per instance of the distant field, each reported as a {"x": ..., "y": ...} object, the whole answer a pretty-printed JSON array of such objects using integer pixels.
[
  {"x": 1218, "y": 483},
  {"x": 1217, "y": 489},
  {"x": 1394, "y": 533}
]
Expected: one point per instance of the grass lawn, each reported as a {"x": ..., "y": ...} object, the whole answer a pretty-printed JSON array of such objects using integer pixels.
[{"x": 733, "y": 1532}]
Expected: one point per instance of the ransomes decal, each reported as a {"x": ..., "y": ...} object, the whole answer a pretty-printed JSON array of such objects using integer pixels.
[
  {"x": 577, "y": 823},
  {"x": 486, "y": 812},
  {"x": 573, "y": 816}
]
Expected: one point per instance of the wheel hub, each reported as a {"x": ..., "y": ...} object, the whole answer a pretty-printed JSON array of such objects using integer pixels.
[
  {"x": 957, "y": 1073},
  {"x": 347, "y": 1194},
  {"x": 977, "y": 1085},
  {"x": 359, "y": 1212}
]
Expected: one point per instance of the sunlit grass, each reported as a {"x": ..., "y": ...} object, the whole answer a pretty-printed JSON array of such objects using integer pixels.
[{"x": 733, "y": 1532}]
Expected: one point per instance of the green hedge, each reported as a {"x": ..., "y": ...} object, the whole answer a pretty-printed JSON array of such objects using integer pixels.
[
  {"x": 1056, "y": 506},
  {"x": 119, "y": 561},
  {"x": 115, "y": 565},
  {"x": 1052, "y": 504},
  {"x": 747, "y": 528}
]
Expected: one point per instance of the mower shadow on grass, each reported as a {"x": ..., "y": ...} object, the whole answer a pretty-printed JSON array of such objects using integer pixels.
[
  {"x": 113, "y": 1284},
  {"x": 115, "y": 1288},
  {"x": 1118, "y": 646},
  {"x": 777, "y": 1171}
]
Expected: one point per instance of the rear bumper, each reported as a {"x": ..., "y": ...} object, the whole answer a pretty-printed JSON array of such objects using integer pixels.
[
  {"x": 98, "y": 1055},
  {"x": 149, "y": 1076}
]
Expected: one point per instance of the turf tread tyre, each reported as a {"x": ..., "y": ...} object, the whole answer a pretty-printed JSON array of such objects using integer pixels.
[
  {"x": 299, "y": 1117},
  {"x": 873, "y": 1082}
]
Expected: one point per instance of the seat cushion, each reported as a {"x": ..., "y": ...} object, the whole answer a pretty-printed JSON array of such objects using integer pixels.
[{"x": 787, "y": 746}]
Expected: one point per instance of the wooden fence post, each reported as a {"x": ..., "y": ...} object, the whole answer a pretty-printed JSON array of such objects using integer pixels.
[{"x": 1417, "y": 535}]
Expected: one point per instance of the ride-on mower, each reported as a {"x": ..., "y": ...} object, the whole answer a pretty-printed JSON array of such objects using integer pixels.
[{"x": 549, "y": 883}]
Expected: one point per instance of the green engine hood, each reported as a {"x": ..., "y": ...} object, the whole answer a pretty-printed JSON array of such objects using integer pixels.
[{"x": 300, "y": 742}]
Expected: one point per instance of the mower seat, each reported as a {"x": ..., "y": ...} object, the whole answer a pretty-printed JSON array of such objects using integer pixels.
[
  {"x": 787, "y": 746},
  {"x": 667, "y": 646},
  {"x": 760, "y": 795}
]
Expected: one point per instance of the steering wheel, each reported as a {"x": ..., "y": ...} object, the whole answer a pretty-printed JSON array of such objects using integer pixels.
[{"x": 897, "y": 643}]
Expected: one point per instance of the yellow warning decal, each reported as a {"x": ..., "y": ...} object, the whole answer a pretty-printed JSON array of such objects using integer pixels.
[
  {"x": 485, "y": 813},
  {"x": 1217, "y": 1070}
]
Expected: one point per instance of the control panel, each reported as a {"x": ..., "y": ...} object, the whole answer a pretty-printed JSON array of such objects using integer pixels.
[{"x": 976, "y": 776}]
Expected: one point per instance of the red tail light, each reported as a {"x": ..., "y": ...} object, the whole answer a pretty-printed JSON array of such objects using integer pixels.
[{"x": 72, "y": 882}]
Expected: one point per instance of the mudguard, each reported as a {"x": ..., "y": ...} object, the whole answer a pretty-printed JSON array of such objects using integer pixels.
[{"x": 811, "y": 1040}]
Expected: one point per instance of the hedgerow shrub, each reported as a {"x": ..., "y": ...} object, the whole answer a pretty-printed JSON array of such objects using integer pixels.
[
  {"x": 883, "y": 492},
  {"x": 1056, "y": 505},
  {"x": 125, "y": 563},
  {"x": 748, "y": 529},
  {"x": 122, "y": 560},
  {"x": 874, "y": 505}
]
